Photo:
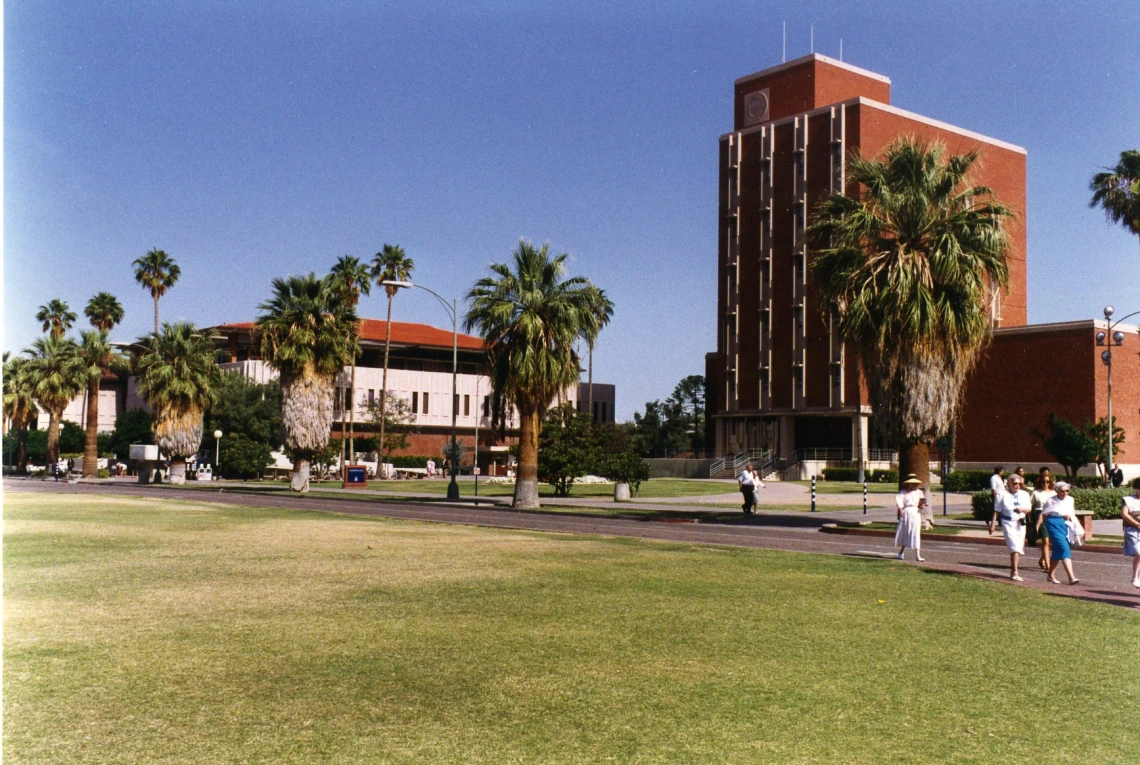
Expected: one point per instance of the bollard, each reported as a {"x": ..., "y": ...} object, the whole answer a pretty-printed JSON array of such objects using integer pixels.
[
  {"x": 813, "y": 493},
  {"x": 864, "y": 494}
]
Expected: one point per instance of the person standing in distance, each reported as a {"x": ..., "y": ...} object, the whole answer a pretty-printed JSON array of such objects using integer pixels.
[
  {"x": 997, "y": 485},
  {"x": 909, "y": 503},
  {"x": 747, "y": 488}
]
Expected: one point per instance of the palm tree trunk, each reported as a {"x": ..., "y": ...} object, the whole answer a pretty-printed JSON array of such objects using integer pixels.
[
  {"x": 156, "y": 314},
  {"x": 590, "y": 384},
  {"x": 177, "y": 471},
  {"x": 299, "y": 481},
  {"x": 526, "y": 480},
  {"x": 22, "y": 450},
  {"x": 53, "y": 441},
  {"x": 352, "y": 418},
  {"x": 915, "y": 458},
  {"x": 384, "y": 382},
  {"x": 91, "y": 442}
]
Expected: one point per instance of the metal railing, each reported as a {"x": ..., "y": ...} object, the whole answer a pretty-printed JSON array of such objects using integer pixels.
[{"x": 734, "y": 463}]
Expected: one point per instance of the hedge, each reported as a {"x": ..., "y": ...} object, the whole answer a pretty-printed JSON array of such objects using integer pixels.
[
  {"x": 967, "y": 480},
  {"x": 1104, "y": 503},
  {"x": 410, "y": 461},
  {"x": 852, "y": 474}
]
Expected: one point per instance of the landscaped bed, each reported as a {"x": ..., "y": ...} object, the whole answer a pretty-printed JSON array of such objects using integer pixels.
[{"x": 148, "y": 630}]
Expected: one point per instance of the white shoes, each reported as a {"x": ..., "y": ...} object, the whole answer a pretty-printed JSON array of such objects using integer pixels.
[
  {"x": 920, "y": 558},
  {"x": 900, "y": 556}
]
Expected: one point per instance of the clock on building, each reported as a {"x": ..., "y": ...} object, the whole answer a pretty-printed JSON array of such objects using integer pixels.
[{"x": 756, "y": 107}]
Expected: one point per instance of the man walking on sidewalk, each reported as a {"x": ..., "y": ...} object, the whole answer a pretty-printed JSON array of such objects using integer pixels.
[{"x": 748, "y": 489}]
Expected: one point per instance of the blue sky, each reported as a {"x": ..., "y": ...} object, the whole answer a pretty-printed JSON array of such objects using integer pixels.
[{"x": 251, "y": 140}]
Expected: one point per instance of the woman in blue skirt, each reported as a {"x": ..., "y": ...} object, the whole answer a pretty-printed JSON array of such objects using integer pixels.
[
  {"x": 1054, "y": 515},
  {"x": 1130, "y": 515}
]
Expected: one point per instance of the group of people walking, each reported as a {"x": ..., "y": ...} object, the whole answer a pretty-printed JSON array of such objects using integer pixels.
[
  {"x": 750, "y": 483},
  {"x": 1045, "y": 517}
]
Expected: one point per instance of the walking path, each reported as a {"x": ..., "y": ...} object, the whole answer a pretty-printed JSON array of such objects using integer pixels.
[{"x": 1105, "y": 578}]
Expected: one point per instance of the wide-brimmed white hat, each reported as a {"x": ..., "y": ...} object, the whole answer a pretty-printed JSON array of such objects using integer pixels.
[{"x": 912, "y": 480}]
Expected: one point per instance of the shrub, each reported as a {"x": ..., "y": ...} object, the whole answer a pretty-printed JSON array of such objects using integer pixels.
[
  {"x": 242, "y": 457},
  {"x": 840, "y": 474},
  {"x": 408, "y": 461},
  {"x": 967, "y": 480},
  {"x": 1104, "y": 503},
  {"x": 1086, "y": 482},
  {"x": 883, "y": 476},
  {"x": 104, "y": 473}
]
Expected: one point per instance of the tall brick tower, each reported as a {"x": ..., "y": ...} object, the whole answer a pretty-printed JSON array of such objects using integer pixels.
[{"x": 780, "y": 378}]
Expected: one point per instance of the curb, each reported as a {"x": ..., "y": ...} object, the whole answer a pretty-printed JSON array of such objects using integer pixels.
[{"x": 834, "y": 529}]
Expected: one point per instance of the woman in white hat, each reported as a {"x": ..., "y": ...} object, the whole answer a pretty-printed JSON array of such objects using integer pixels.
[
  {"x": 909, "y": 502},
  {"x": 1011, "y": 507}
]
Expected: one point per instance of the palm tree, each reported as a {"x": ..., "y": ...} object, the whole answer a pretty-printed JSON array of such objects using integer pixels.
[
  {"x": 98, "y": 357},
  {"x": 19, "y": 405},
  {"x": 56, "y": 317},
  {"x": 56, "y": 376},
  {"x": 1118, "y": 191},
  {"x": 603, "y": 310},
  {"x": 354, "y": 278},
  {"x": 176, "y": 376},
  {"x": 104, "y": 311},
  {"x": 308, "y": 334},
  {"x": 389, "y": 265},
  {"x": 530, "y": 318},
  {"x": 907, "y": 267},
  {"x": 157, "y": 272}
]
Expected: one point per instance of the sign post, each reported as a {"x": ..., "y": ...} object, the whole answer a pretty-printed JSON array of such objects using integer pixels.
[{"x": 355, "y": 477}]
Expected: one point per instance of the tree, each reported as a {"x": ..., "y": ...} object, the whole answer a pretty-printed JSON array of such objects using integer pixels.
[
  {"x": 689, "y": 398},
  {"x": 1071, "y": 446},
  {"x": 244, "y": 408},
  {"x": 242, "y": 457},
  {"x": 19, "y": 405},
  {"x": 104, "y": 311},
  {"x": 603, "y": 311},
  {"x": 1117, "y": 191},
  {"x": 134, "y": 426},
  {"x": 308, "y": 334},
  {"x": 177, "y": 373},
  {"x": 567, "y": 448},
  {"x": 391, "y": 264},
  {"x": 661, "y": 429},
  {"x": 396, "y": 415},
  {"x": 98, "y": 358},
  {"x": 354, "y": 278},
  {"x": 57, "y": 375},
  {"x": 619, "y": 460},
  {"x": 1098, "y": 432},
  {"x": 56, "y": 318},
  {"x": 530, "y": 318},
  {"x": 907, "y": 266},
  {"x": 157, "y": 272}
]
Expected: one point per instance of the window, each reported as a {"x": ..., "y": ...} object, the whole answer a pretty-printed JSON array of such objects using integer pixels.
[
  {"x": 348, "y": 398},
  {"x": 371, "y": 395},
  {"x": 467, "y": 405},
  {"x": 415, "y": 402},
  {"x": 425, "y": 402},
  {"x": 486, "y": 406},
  {"x": 605, "y": 420},
  {"x": 595, "y": 413},
  {"x": 455, "y": 405}
]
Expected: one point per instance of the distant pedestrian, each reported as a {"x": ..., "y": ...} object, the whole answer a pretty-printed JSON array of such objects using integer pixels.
[
  {"x": 997, "y": 484},
  {"x": 748, "y": 489},
  {"x": 1130, "y": 514},
  {"x": 1058, "y": 512},
  {"x": 430, "y": 468},
  {"x": 55, "y": 471},
  {"x": 1117, "y": 477},
  {"x": 1012, "y": 507},
  {"x": 909, "y": 503},
  {"x": 1042, "y": 491},
  {"x": 757, "y": 484}
]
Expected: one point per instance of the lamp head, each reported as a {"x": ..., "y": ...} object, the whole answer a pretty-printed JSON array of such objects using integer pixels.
[
  {"x": 217, "y": 434},
  {"x": 395, "y": 283},
  {"x": 1108, "y": 312},
  {"x": 1106, "y": 357},
  {"x": 1118, "y": 337},
  {"x": 1100, "y": 338}
]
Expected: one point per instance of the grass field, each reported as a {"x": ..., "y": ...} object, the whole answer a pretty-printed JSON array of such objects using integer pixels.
[
  {"x": 139, "y": 631},
  {"x": 651, "y": 489},
  {"x": 848, "y": 487}
]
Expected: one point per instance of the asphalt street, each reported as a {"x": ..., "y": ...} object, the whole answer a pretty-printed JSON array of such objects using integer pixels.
[{"x": 1105, "y": 577}]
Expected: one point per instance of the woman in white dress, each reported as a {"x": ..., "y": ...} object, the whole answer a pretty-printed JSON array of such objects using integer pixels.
[
  {"x": 909, "y": 502},
  {"x": 1042, "y": 491},
  {"x": 1010, "y": 508},
  {"x": 1130, "y": 514}
]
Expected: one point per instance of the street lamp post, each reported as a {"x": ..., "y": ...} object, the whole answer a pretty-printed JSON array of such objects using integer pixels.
[
  {"x": 217, "y": 451},
  {"x": 1112, "y": 338},
  {"x": 452, "y": 308}
]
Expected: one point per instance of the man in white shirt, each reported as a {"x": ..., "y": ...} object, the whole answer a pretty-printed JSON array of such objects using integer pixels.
[
  {"x": 997, "y": 485},
  {"x": 748, "y": 489}
]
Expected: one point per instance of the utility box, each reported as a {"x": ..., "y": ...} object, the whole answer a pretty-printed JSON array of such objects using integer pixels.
[
  {"x": 144, "y": 452},
  {"x": 149, "y": 462}
]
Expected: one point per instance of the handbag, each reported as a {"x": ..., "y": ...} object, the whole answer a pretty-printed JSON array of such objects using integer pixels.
[{"x": 1076, "y": 532}]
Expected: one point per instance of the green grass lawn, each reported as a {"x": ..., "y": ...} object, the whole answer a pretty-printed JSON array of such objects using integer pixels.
[
  {"x": 141, "y": 631},
  {"x": 848, "y": 487}
]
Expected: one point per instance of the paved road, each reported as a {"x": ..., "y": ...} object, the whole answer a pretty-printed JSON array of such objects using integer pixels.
[{"x": 1104, "y": 577}]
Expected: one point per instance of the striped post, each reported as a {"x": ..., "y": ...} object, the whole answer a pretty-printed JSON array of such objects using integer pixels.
[
  {"x": 813, "y": 493},
  {"x": 864, "y": 494}
]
